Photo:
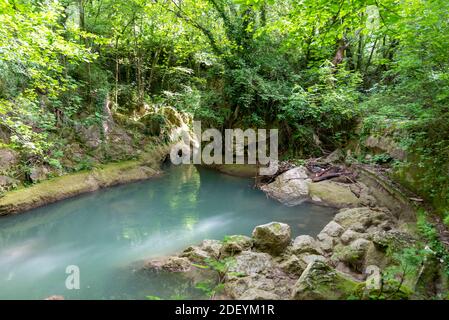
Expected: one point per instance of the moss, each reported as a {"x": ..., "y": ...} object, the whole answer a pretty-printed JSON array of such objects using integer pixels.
[{"x": 82, "y": 182}]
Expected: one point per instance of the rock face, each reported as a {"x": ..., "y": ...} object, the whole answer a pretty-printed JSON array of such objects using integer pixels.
[
  {"x": 8, "y": 158},
  {"x": 272, "y": 238},
  {"x": 291, "y": 188},
  {"x": 39, "y": 173},
  {"x": 320, "y": 282},
  {"x": 333, "y": 194},
  {"x": 386, "y": 144}
]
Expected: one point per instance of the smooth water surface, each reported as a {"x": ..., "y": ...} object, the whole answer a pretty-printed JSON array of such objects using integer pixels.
[{"x": 108, "y": 233}]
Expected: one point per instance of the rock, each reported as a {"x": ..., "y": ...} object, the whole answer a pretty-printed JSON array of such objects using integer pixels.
[
  {"x": 305, "y": 244},
  {"x": 333, "y": 194},
  {"x": 321, "y": 282},
  {"x": 195, "y": 254},
  {"x": 171, "y": 264},
  {"x": 257, "y": 294},
  {"x": 250, "y": 263},
  {"x": 272, "y": 238},
  {"x": 39, "y": 173},
  {"x": 386, "y": 144},
  {"x": 212, "y": 247},
  {"x": 376, "y": 256},
  {"x": 8, "y": 159},
  {"x": 393, "y": 239},
  {"x": 309, "y": 258},
  {"x": 236, "y": 244},
  {"x": 333, "y": 229},
  {"x": 360, "y": 219},
  {"x": 336, "y": 156},
  {"x": 326, "y": 242},
  {"x": 278, "y": 285},
  {"x": 7, "y": 183},
  {"x": 293, "y": 265},
  {"x": 291, "y": 188},
  {"x": 91, "y": 136},
  {"x": 350, "y": 235},
  {"x": 373, "y": 280},
  {"x": 353, "y": 255}
]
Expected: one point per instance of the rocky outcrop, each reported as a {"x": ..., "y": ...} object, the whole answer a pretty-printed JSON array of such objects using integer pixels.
[
  {"x": 294, "y": 186},
  {"x": 345, "y": 260},
  {"x": 272, "y": 238}
]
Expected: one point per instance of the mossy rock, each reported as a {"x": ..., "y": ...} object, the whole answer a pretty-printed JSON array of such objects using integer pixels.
[{"x": 319, "y": 281}]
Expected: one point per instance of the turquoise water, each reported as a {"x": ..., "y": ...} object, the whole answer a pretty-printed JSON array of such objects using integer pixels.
[{"x": 108, "y": 233}]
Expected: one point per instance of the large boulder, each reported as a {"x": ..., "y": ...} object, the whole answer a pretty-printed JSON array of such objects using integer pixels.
[
  {"x": 250, "y": 263},
  {"x": 333, "y": 194},
  {"x": 291, "y": 188},
  {"x": 321, "y": 282},
  {"x": 273, "y": 238},
  {"x": 280, "y": 285},
  {"x": 305, "y": 244}
]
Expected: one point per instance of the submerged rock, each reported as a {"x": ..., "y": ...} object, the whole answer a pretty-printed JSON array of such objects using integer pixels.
[
  {"x": 321, "y": 282},
  {"x": 272, "y": 238},
  {"x": 291, "y": 188}
]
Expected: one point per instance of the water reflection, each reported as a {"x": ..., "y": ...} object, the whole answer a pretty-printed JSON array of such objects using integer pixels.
[{"x": 106, "y": 232}]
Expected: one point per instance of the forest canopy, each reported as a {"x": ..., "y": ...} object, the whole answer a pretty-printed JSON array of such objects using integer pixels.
[{"x": 325, "y": 72}]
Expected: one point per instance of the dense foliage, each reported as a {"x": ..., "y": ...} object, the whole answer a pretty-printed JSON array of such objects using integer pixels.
[{"x": 326, "y": 72}]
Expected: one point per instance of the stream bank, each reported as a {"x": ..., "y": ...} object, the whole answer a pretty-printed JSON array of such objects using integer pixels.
[
  {"x": 67, "y": 186},
  {"x": 370, "y": 250}
]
